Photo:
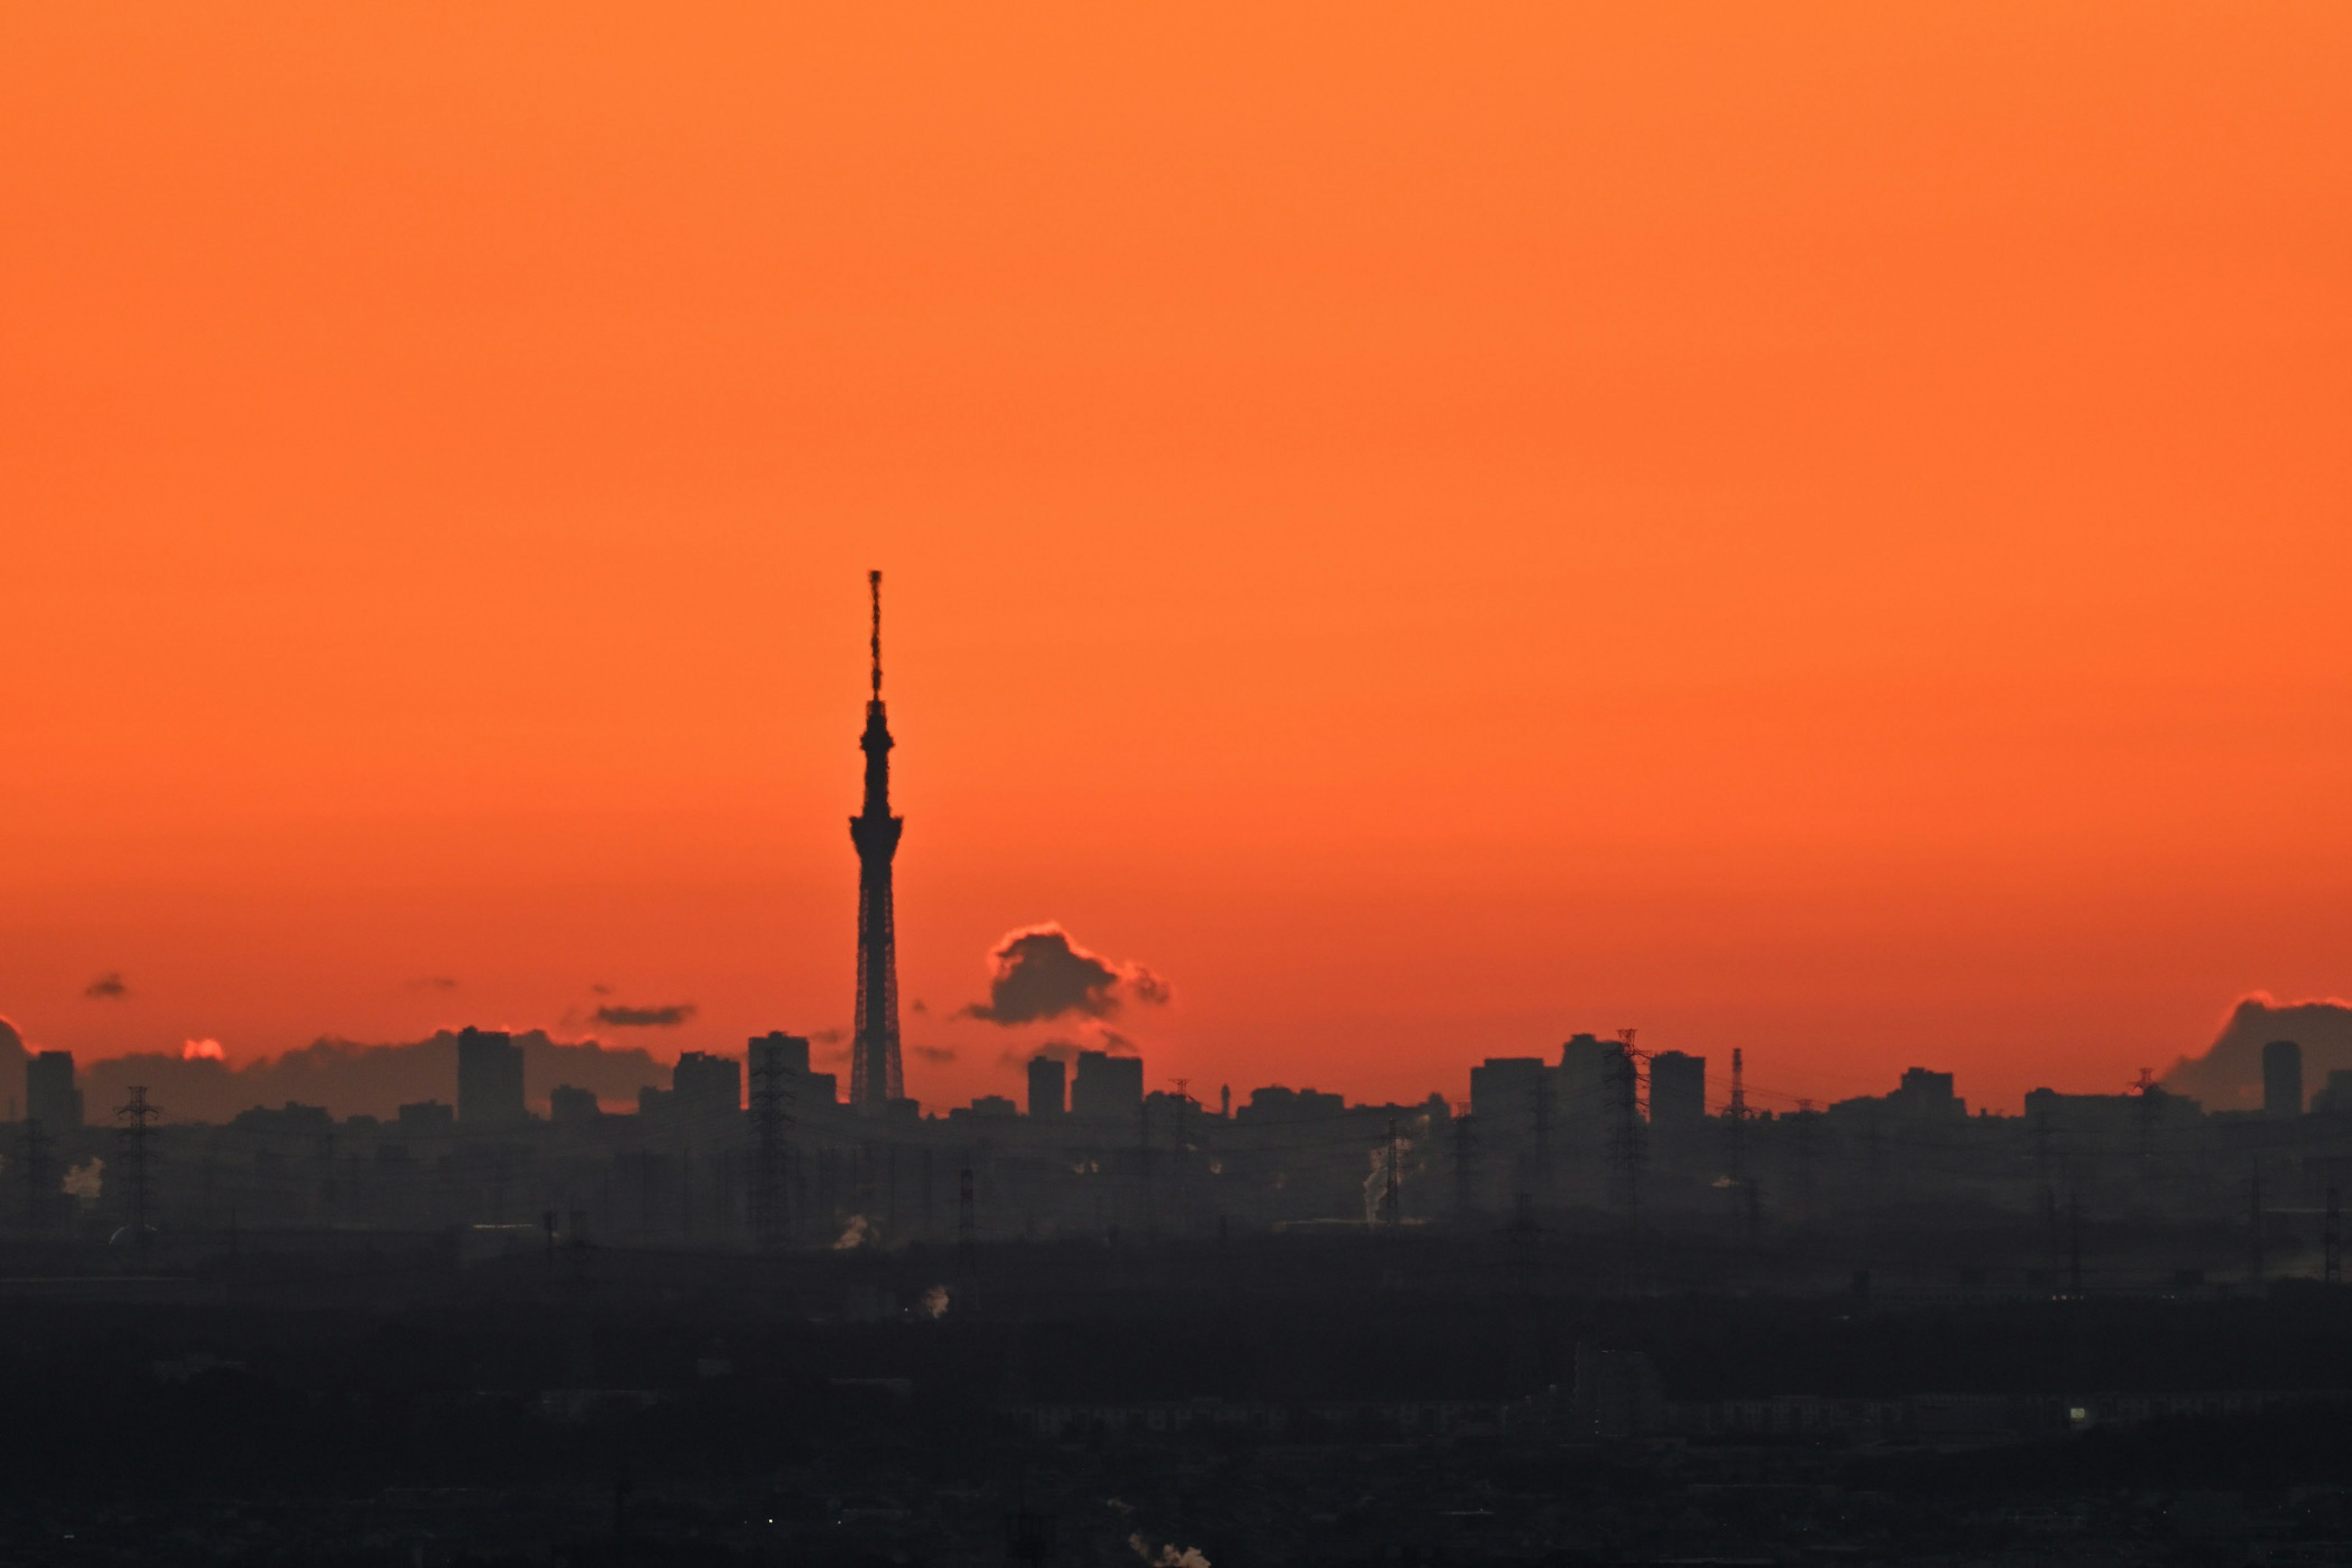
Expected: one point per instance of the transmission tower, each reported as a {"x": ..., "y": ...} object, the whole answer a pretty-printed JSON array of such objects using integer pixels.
[
  {"x": 1149, "y": 1216},
  {"x": 1543, "y": 1134},
  {"x": 2042, "y": 1176},
  {"x": 2074, "y": 1242},
  {"x": 1465, "y": 1158},
  {"x": 2150, "y": 1093},
  {"x": 772, "y": 1115},
  {"x": 2331, "y": 1268},
  {"x": 1625, "y": 1139},
  {"x": 2255, "y": 1227},
  {"x": 1804, "y": 1140},
  {"x": 1391, "y": 1181},
  {"x": 967, "y": 1226},
  {"x": 1177, "y": 1177},
  {"x": 138, "y": 1119},
  {"x": 1736, "y": 1114},
  {"x": 40, "y": 1178}
]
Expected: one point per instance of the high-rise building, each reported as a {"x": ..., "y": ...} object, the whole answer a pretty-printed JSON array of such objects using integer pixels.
[
  {"x": 1106, "y": 1088},
  {"x": 787, "y": 1056},
  {"x": 1677, "y": 1090},
  {"x": 1048, "y": 1082},
  {"x": 489, "y": 1080},
  {"x": 876, "y": 1075},
  {"x": 1927, "y": 1094},
  {"x": 569, "y": 1107},
  {"x": 778, "y": 1052},
  {"x": 1509, "y": 1094},
  {"x": 701, "y": 1082},
  {"x": 2283, "y": 1079},
  {"x": 50, "y": 1097}
]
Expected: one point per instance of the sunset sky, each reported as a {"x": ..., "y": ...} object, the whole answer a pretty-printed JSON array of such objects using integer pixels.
[{"x": 1818, "y": 529}]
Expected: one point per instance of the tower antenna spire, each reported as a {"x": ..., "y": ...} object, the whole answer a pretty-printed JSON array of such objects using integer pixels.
[{"x": 876, "y": 1079}]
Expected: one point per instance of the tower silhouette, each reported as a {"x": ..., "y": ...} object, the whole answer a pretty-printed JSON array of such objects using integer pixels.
[{"x": 876, "y": 1075}]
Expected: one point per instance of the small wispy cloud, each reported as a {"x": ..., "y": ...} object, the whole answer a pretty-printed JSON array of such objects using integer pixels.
[
  {"x": 107, "y": 987},
  {"x": 624, "y": 1017}
]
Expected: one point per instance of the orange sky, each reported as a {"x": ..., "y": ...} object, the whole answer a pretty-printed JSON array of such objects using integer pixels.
[{"x": 1818, "y": 529}]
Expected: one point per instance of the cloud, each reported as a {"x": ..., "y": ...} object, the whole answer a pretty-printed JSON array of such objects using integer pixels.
[
  {"x": 918, "y": 1005},
  {"x": 107, "y": 987},
  {"x": 668, "y": 1017},
  {"x": 432, "y": 983},
  {"x": 2229, "y": 1075},
  {"x": 1037, "y": 972},
  {"x": 939, "y": 1056},
  {"x": 829, "y": 1036},
  {"x": 350, "y": 1079},
  {"x": 600, "y": 990}
]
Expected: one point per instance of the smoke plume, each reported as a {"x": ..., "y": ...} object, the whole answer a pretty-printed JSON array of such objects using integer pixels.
[{"x": 1168, "y": 1555}]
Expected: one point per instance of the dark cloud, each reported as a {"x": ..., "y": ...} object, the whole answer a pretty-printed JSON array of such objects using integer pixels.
[
  {"x": 107, "y": 987},
  {"x": 829, "y": 1036},
  {"x": 351, "y": 1079},
  {"x": 2229, "y": 1075},
  {"x": 919, "y": 1006},
  {"x": 1038, "y": 972},
  {"x": 433, "y": 983},
  {"x": 668, "y": 1017},
  {"x": 939, "y": 1056},
  {"x": 600, "y": 990}
]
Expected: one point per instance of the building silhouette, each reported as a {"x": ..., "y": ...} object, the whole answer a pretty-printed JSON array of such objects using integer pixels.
[
  {"x": 877, "y": 1078},
  {"x": 1677, "y": 1090},
  {"x": 1106, "y": 1087},
  {"x": 569, "y": 1107},
  {"x": 51, "y": 1097},
  {"x": 2283, "y": 1079},
  {"x": 777, "y": 1052},
  {"x": 1048, "y": 1079},
  {"x": 489, "y": 1080},
  {"x": 1503, "y": 1091},
  {"x": 703, "y": 1082},
  {"x": 1927, "y": 1096}
]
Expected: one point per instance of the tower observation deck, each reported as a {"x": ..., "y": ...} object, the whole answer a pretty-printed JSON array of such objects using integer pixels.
[{"x": 876, "y": 1075}]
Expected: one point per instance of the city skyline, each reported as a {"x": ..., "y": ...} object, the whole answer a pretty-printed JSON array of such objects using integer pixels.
[{"x": 1812, "y": 535}]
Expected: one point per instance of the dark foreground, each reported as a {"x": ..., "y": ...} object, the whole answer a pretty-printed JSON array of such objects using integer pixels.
[{"x": 1328, "y": 1400}]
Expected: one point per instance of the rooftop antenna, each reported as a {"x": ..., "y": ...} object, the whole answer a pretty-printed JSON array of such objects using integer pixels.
[{"x": 873, "y": 587}]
